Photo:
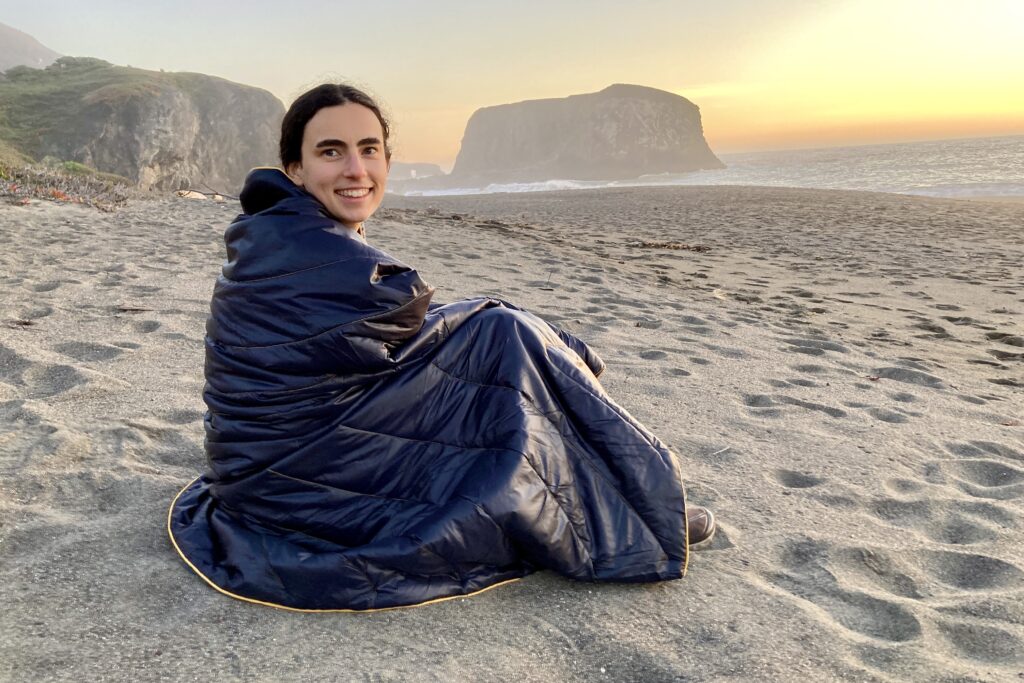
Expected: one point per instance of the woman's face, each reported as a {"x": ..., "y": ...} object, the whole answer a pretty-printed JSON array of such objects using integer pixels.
[{"x": 343, "y": 163}]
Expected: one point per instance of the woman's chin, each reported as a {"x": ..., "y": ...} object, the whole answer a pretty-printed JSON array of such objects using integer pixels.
[{"x": 352, "y": 216}]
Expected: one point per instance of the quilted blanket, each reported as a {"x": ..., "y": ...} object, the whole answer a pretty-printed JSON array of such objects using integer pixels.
[{"x": 368, "y": 449}]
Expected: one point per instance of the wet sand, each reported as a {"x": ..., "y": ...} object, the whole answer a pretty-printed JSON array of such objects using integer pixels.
[{"x": 840, "y": 373}]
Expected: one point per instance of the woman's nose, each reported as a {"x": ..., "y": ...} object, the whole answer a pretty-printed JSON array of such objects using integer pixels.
[{"x": 354, "y": 167}]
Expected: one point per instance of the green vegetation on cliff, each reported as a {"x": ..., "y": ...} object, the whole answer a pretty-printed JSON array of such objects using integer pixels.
[
  {"x": 10, "y": 157},
  {"x": 36, "y": 102},
  {"x": 162, "y": 130}
]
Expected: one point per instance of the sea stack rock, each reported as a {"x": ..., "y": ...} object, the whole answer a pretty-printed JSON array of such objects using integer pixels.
[{"x": 623, "y": 131}]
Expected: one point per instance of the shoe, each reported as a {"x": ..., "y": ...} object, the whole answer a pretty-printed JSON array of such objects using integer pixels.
[{"x": 700, "y": 526}]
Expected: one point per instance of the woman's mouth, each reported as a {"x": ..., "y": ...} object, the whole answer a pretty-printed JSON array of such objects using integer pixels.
[{"x": 356, "y": 193}]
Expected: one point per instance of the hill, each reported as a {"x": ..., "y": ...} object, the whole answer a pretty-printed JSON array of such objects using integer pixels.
[{"x": 161, "y": 130}]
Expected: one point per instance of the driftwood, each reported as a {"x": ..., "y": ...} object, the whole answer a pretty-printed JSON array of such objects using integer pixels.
[
  {"x": 670, "y": 245},
  {"x": 191, "y": 193}
]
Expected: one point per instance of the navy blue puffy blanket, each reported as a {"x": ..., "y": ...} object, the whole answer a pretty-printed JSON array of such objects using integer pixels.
[{"x": 369, "y": 450}]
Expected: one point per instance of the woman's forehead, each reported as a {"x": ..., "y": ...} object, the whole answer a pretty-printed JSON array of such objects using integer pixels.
[{"x": 349, "y": 122}]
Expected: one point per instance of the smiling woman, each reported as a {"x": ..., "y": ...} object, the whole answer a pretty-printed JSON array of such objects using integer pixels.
[
  {"x": 334, "y": 144},
  {"x": 369, "y": 449}
]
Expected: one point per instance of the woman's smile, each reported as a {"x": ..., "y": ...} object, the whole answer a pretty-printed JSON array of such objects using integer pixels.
[{"x": 354, "y": 193}]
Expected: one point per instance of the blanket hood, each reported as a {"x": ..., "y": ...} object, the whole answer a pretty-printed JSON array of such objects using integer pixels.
[{"x": 276, "y": 305}]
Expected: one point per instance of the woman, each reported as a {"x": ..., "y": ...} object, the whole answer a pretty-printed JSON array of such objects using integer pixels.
[{"x": 368, "y": 449}]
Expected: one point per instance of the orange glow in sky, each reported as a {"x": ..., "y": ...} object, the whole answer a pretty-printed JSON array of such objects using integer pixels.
[{"x": 872, "y": 71}]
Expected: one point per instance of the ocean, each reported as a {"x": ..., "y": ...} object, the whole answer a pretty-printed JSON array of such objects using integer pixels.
[{"x": 971, "y": 167}]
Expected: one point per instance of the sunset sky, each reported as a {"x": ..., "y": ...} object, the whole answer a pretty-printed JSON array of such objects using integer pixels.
[{"x": 767, "y": 74}]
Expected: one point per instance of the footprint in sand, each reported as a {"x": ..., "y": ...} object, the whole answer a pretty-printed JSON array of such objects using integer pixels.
[
  {"x": 929, "y": 572},
  {"x": 1007, "y": 382},
  {"x": 12, "y": 365},
  {"x": 909, "y": 376},
  {"x": 802, "y": 293},
  {"x": 648, "y": 323},
  {"x": 886, "y": 415},
  {"x": 974, "y": 449},
  {"x": 90, "y": 492},
  {"x": 45, "y": 381},
  {"x": 810, "y": 369},
  {"x": 87, "y": 352},
  {"x": 805, "y": 575},
  {"x": 1006, "y": 338},
  {"x": 966, "y": 571},
  {"x": 881, "y": 569},
  {"x": 986, "y": 478},
  {"x": 817, "y": 572},
  {"x": 1006, "y": 355},
  {"x": 152, "y": 442},
  {"x": 983, "y": 643},
  {"x": 937, "y": 331},
  {"x": 941, "y": 521},
  {"x": 698, "y": 330},
  {"x": 903, "y": 486},
  {"x": 35, "y": 312},
  {"x": 813, "y": 347},
  {"x": 967, "y": 320},
  {"x": 761, "y": 401},
  {"x": 791, "y": 479},
  {"x": 726, "y": 351},
  {"x": 28, "y": 435}
]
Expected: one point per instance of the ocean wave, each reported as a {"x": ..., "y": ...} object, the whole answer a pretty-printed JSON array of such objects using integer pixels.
[{"x": 971, "y": 190}]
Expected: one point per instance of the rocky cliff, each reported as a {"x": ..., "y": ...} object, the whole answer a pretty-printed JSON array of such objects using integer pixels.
[
  {"x": 162, "y": 130},
  {"x": 623, "y": 131},
  {"x": 21, "y": 49}
]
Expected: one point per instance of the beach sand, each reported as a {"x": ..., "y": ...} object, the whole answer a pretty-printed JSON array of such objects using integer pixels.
[{"x": 840, "y": 373}]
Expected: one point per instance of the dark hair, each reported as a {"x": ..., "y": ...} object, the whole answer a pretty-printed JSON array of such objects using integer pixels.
[{"x": 293, "y": 126}]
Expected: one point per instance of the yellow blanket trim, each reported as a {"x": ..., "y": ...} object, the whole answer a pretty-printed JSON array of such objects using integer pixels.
[
  {"x": 217, "y": 588},
  {"x": 686, "y": 535}
]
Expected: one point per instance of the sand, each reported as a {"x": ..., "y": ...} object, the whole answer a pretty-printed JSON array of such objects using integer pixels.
[{"x": 841, "y": 375}]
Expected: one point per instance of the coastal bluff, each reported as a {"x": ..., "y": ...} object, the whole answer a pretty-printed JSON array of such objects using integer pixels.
[
  {"x": 623, "y": 131},
  {"x": 164, "y": 131}
]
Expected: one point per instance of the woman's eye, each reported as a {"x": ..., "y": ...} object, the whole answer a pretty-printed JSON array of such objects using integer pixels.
[{"x": 370, "y": 150}]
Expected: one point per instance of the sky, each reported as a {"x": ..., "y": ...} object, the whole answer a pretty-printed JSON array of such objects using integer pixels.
[{"x": 766, "y": 74}]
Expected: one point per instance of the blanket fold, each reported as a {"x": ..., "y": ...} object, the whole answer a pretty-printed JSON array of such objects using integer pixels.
[{"x": 369, "y": 449}]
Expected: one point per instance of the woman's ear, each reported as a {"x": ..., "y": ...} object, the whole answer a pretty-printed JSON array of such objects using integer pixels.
[{"x": 294, "y": 172}]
